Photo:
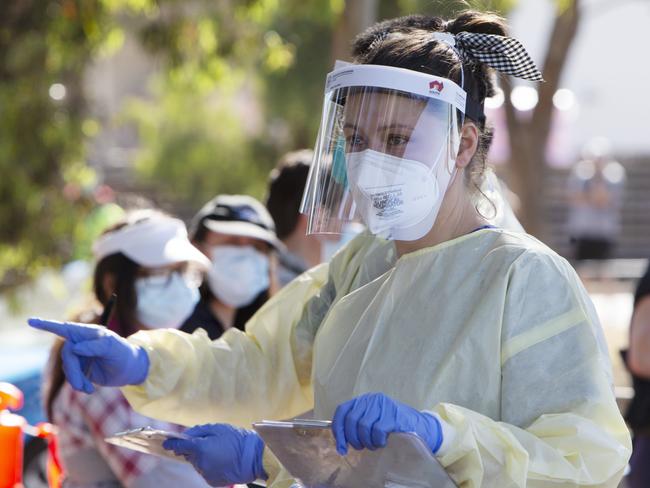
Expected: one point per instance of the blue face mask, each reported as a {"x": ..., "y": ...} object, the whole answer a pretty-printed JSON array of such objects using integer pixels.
[
  {"x": 167, "y": 304},
  {"x": 238, "y": 274}
]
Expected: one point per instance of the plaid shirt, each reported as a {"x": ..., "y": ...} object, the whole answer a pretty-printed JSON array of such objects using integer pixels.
[{"x": 85, "y": 420}]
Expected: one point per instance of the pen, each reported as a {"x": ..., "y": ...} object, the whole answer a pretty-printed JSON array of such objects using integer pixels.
[
  {"x": 106, "y": 314},
  {"x": 103, "y": 320}
]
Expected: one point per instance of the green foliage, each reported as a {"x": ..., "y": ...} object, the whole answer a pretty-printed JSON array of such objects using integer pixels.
[
  {"x": 499, "y": 6},
  {"x": 45, "y": 185},
  {"x": 564, "y": 5},
  {"x": 195, "y": 144},
  {"x": 241, "y": 85},
  {"x": 41, "y": 138},
  {"x": 450, "y": 8}
]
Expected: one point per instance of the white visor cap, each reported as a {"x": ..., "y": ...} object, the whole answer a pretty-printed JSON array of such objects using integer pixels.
[{"x": 151, "y": 240}]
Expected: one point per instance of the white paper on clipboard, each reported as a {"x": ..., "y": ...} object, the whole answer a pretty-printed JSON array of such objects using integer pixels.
[
  {"x": 147, "y": 440},
  {"x": 306, "y": 448}
]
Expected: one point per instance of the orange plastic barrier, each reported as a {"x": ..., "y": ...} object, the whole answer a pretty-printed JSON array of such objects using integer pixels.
[
  {"x": 11, "y": 437},
  {"x": 54, "y": 466}
]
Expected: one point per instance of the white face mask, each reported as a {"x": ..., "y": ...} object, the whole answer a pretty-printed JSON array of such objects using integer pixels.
[
  {"x": 397, "y": 198},
  {"x": 165, "y": 305},
  {"x": 238, "y": 274},
  {"x": 329, "y": 247}
]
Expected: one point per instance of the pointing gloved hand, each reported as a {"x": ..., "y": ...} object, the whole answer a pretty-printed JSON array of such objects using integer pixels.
[
  {"x": 366, "y": 422},
  {"x": 93, "y": 353},
  {"x": 221, "y": 453}
]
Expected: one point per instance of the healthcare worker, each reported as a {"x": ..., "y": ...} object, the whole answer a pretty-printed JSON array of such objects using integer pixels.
[
  {"x": 480, "y": 340},
  {"x": 238, "y": 235},
  {"x": 148, "y": 262}
]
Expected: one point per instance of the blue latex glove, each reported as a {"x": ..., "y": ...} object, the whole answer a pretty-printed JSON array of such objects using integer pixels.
[
  {"x": 93, "y": 353},
  {"x": 366, "y": 422},
  {"x": 221, "y": 453}
]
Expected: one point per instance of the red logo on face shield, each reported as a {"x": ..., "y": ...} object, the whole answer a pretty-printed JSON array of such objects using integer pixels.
[{"x": 436, "y": 87}]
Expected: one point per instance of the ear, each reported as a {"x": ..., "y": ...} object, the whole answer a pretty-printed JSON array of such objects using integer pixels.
[{"x": 468, "y": 144}]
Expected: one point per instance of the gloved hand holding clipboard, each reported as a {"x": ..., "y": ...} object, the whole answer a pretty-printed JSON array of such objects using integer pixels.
[{"x": 307, "y": 449}]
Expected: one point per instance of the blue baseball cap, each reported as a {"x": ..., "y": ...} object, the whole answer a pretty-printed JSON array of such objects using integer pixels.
[{"x": 239, "y": 215}]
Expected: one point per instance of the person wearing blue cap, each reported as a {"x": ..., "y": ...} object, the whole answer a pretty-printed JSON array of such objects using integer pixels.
[{"x": 237, "y": 233}]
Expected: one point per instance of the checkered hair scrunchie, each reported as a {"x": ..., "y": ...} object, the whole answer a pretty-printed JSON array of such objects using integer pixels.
[{"x": 504, "y": 54}]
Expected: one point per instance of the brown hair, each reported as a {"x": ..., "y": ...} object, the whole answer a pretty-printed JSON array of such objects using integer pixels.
[
  {"x": 124, "y": 272},
  {"x": 406, "y": 42},
  {"x": 286, "y": 185}
]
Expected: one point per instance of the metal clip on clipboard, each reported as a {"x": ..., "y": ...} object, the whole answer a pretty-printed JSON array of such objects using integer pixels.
[{"x": 306, "y": 448}]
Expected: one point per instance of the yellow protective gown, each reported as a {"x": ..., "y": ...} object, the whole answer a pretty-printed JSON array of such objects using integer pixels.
[
  {"x": 264, "y": 373},
  {"x": 492, "y": 330}
]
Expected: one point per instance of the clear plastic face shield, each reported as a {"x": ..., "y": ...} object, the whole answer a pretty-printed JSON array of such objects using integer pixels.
[{"x": 386, "y": 151}]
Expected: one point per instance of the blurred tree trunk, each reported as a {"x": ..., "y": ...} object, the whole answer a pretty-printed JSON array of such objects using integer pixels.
[
  {"x": 529, "y": 132},
  {"x": 355, "y": 18}
]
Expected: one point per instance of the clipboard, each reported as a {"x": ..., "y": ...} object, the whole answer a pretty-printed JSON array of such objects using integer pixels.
[
  {"x": 148, "y": 441},
  {"x": 307, "y": 449}
]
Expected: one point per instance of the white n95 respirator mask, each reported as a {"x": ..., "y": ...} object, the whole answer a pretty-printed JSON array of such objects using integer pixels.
[
  {"x": 393, "y": 195},
  {"x": 238, "y": 274},
  {"x": 165, "y": 305}
]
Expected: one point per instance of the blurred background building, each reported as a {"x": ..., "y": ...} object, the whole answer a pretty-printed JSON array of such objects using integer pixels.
[{"x": 598, "y": 97}]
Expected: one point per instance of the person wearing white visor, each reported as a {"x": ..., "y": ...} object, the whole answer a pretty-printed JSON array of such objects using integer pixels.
[
  {"x": 238, "y": 235},
  {"x": 168, "y": 269},
  {"x": 480, "y": 340},
  {"x": 147, "y": 261}
]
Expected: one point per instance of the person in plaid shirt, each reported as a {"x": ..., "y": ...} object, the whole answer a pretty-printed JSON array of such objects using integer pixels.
[{"x": 149, "y": 263}]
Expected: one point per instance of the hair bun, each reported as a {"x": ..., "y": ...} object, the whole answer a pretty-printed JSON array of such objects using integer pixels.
[{"x": 477, "y": 22}]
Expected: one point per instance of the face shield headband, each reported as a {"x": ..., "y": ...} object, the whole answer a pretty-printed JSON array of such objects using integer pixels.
[{"x": 385, "y": 152}]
